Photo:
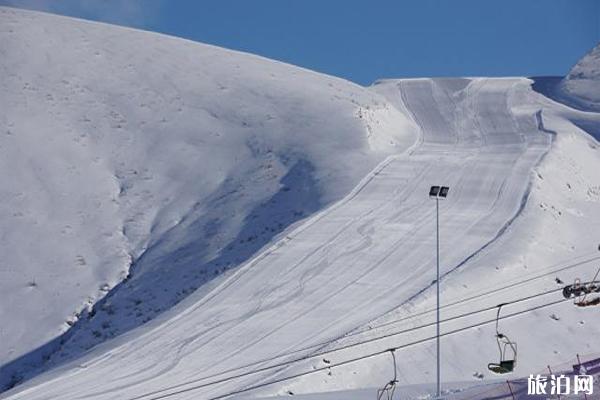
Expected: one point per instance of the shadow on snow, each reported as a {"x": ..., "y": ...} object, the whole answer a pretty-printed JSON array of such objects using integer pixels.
[{"x": 186, "y": 257}]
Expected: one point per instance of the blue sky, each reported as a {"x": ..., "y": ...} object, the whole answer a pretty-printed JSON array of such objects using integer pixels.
[{"x": 366, "y": 40}]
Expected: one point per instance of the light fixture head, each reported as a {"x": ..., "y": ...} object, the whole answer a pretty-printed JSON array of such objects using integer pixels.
[{"x": 438, "y": 192}]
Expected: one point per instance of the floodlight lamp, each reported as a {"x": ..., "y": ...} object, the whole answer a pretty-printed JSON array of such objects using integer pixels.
[{"x": 434, "y": 191}]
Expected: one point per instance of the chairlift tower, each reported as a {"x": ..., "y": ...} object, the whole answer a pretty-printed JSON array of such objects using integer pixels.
[{"x": 437, "y": 193}]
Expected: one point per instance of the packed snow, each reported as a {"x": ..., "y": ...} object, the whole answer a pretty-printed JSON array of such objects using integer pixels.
[
  {"x": 555, "y": 230},
  {"x": 175, "y": 211}
]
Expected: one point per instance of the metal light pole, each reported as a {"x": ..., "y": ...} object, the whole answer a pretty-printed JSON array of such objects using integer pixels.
[{"x": 437, "y": 193}]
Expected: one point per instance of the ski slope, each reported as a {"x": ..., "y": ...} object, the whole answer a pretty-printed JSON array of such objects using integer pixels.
[
  {"x": 365, "y": 255},
  {"x": 554, "y": 237},
  {"x": 523, "y": 202}
]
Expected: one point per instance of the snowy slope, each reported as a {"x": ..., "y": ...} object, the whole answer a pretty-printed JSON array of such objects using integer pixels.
[
  {"x": 514, "y": 388},
  {"x": 522, "y": 211},
  {"x": 554, "y": 236},
  {"x": 371, "y": 253},
  {"x": 130, "y": 152},
  {"x": 580, "y": 89},
  {"x": 582, "y": 84}
]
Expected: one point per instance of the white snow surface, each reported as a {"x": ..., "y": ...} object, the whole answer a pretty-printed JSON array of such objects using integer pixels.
[
  {"x": 582, "y": 84},
  {"x": 121, "y": 147},
  {"x": 523, "y": 210}
]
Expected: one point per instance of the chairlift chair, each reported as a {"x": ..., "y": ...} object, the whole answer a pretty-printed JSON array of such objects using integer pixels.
[
  {"x": 507, "y": 349},
  {"x": 580, "y": 290},
  {"x": 587, "y": 303}
]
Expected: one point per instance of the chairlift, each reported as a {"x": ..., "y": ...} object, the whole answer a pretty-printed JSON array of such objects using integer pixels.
[
  {"x": 580, "y": 291},
  {"x": 390, "y": 387},
  {"x": 507, "y": 349}
]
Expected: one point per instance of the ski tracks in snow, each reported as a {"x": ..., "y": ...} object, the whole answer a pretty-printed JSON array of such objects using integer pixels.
[{"x": 355, "y": 261}]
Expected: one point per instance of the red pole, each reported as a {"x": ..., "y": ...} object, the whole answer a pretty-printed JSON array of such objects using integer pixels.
[{"x": 509, "y": 388}]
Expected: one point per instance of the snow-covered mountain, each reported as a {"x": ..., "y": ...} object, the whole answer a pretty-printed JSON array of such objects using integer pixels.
[
  {"x": 582, "y": 84},
  {"x": 580, "y": 89},
  {"x": 217, "y": 213},
  {"x": 126, "y": 153}
]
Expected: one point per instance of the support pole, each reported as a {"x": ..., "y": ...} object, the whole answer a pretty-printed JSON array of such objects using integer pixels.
[
  {"x": 437, "y": 230},
  {"x": 510, "y": 388},
  {"x": 550, "y": 370},
  {"x": 579, "y": 363}
]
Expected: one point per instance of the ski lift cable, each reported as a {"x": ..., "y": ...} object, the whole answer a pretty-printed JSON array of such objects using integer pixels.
[
  {"x": 299, "y": 359},
  {"x": 358, "y": 332},
  {"x": 326, "y": 352},
  {"x": 370, "y": 355},
  {"x": 476, "y": 296}
]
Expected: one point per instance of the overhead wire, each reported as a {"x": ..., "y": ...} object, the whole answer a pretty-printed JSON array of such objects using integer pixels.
[
  {"x": 474, "y": 297},
  {"x": 349, "y": 361},
  {"x": 323, "y": 344},
  {"x": 345, "y": 347}
]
